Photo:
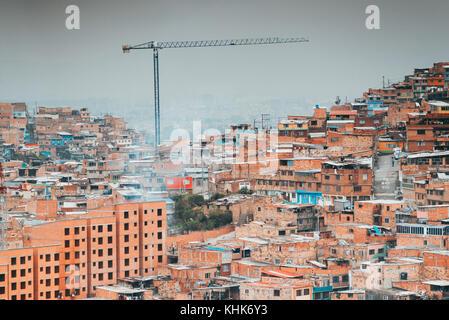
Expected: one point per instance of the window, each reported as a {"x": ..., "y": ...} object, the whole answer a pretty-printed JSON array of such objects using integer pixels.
[
  {"x": 67, "y": 243},
  {"x": 159, "y": 212},
  {"x": 109, "y": 227},
  {"x": 277, "y": 293},
  {"x": 298, "y": 293},
  {"x": 77, "y": 230},
  {"x": 159, "y": 258},
  {"x": 66, "y": 231},
  {"x": 126, "y": 214},
  {"x": 159, "y": 223}
]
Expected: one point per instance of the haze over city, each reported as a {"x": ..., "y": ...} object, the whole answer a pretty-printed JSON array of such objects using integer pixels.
[{"x": 44, "y": 64}]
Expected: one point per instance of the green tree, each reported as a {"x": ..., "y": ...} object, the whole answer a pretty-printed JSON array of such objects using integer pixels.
[
  {"x": 189, "y": 214},
  {"x": 217, "y": 196},
  {"x": 245, "y": 190}
]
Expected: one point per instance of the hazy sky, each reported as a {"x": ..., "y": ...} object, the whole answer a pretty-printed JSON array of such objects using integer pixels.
[{"x": 40, "y": 60}]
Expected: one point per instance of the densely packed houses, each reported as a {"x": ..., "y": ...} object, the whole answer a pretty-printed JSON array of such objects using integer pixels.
[{"x": 349, "y": 203}]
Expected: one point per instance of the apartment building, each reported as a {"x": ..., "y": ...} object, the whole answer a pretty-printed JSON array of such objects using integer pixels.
[{"x": 69, "y": 257}]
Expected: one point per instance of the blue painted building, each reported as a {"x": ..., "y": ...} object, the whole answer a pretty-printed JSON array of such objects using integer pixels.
[
  {"x": 308, "y": 197},
  {"x": 57, "y": 142},
  {"x": 322, "y": 293}
]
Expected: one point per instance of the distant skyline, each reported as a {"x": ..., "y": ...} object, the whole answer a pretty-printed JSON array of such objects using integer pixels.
[{"x": 42, "y": 62}]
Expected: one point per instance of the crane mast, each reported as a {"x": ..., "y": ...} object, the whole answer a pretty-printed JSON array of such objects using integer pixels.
[
  {"x": 156, "y": 46},
  {"x": 3, "y": 213}
]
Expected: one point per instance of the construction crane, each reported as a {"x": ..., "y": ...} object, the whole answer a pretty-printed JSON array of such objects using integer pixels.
[
  {"x": 156, "y": 46},
  {"x": 3, "y": 213}
]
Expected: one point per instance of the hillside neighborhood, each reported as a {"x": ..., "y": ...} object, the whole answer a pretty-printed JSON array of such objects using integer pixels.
[{"x": 350, "y": 202}]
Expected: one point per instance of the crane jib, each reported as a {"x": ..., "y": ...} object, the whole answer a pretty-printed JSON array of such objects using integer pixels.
[{"x": 214, "y": 43}]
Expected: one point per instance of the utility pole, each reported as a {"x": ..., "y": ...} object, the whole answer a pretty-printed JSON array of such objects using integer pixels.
[
  {"x": 156, "y": 46},
  {"x": 265, "y": 118}
]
